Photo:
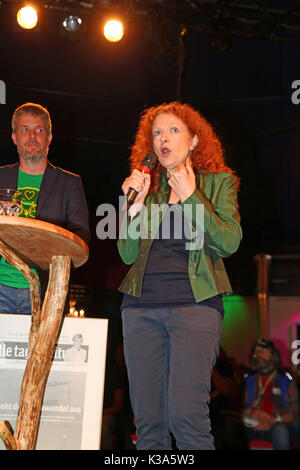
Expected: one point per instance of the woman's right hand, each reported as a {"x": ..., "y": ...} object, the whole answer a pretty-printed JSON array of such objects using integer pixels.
[{"x": 140, "y": 182}]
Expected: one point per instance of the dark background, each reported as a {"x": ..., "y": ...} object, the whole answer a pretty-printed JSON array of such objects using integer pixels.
[{"x": 95, "y": 91}]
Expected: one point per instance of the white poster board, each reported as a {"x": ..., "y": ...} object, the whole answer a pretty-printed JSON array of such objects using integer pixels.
[{"x": 72, "y": 408}]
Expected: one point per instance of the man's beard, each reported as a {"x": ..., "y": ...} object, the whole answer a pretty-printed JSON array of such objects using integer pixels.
[
  {"x": 34, "y": 157},
  {"x": 265, "y": 367}
]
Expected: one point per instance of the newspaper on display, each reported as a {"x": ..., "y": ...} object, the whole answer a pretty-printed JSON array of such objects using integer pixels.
[{"x": 73, "y": 400}]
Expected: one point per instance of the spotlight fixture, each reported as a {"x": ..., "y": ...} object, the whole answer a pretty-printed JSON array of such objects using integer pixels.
[
  {"x": 72, "y": 23},
  {"x": 113, "y": 30},
  {"x": 27, "y": 17}
]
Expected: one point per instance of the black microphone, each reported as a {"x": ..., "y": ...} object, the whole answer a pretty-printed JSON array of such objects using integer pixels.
[{"x": 146, "y": 166}]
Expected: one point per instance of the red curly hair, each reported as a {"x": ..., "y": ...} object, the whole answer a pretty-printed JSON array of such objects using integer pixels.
[{"x": 207, "y": 156}]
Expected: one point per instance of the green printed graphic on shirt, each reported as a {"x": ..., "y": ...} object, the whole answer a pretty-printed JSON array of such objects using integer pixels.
[{"x": 29, "y": 185}]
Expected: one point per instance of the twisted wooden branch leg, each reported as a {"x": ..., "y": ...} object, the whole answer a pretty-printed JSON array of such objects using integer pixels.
[
  {"x": 6, "y": 434},
  {"x": 42, "y": 340},
  {"x": 32, "y": 278},
  {"x": 39, "y": 361}
]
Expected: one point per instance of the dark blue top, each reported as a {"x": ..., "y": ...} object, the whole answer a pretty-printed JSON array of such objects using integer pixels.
[{"x": 166, "y": 280}]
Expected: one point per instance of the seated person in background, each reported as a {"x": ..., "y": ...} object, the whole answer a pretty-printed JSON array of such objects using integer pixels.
[{"x": 271, "y": 408}]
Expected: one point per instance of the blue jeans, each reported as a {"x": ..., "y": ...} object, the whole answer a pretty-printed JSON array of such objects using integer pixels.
[
  {"x": 170, "y": 353},
  {"x": 279, "y": 435},
  {"x": 14, "y": 300}
]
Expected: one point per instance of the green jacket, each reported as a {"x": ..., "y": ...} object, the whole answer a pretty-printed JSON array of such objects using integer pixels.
[{"x": 222, "y": 235}]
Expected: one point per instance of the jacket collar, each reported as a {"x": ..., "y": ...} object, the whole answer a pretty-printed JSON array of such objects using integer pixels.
[
  {"x": 46, "y": 186},
  {"x": 12, "y": 176},
  {"x": 164, "y": 190},
  {"x": 48, "y": 182}
]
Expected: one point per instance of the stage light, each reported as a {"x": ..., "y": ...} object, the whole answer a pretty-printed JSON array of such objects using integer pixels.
[
  {"x": 113, "y": 30},
  {"x": 27, "y": 17},
  {"x": 72, "y": 23}
]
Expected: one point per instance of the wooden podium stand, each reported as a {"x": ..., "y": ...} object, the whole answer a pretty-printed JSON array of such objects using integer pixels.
[{"x": 27, "y": 243}]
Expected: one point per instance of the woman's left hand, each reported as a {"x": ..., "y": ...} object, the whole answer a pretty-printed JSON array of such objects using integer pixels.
[{"x": 183, "y": 181}]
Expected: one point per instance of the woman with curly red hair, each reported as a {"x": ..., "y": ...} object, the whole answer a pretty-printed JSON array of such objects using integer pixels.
[{"x": 172, "y": 308}]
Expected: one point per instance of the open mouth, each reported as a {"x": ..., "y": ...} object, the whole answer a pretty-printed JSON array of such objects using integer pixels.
[{"x": 165, "y": 152}]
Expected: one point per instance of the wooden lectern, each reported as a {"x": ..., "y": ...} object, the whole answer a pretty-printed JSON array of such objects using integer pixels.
[{"x": 31, "y": 243}]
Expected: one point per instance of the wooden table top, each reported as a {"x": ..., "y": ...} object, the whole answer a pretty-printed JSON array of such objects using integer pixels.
[{"x": 36, "y": 241}]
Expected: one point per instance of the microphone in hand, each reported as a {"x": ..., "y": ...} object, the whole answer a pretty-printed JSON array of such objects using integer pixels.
[{"x": 146, "y": 166}]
